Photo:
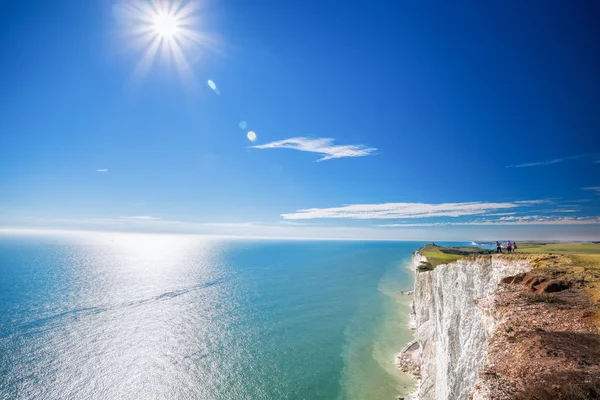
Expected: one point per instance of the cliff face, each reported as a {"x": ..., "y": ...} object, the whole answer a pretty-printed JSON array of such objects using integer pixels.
[{"x": 454, "y": 321}]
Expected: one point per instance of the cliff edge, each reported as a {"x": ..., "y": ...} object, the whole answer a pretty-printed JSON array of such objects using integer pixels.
[{"x": 503, "y": 327}]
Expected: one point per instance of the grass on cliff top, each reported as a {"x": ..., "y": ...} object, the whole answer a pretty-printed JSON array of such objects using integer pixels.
[
  {"x": 437, "y": 255},
  {"x": 586, "y": 255},
  {"x": 568, "y": 265},
  {"x": 559, "y": 248},
  {"x": 575, "y": 262}
]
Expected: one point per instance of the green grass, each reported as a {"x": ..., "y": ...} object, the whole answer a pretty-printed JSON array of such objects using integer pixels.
[
  {"x": 559, "y": 248},
  {"x": 437, "y": 255}
]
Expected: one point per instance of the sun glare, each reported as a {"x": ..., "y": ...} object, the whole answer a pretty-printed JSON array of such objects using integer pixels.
[
  {"x": 166, "y": 25},
  {"x": 164, "y": 30}
]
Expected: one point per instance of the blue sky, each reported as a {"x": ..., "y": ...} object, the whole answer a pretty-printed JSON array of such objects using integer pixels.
[{"x": 408, "y": 120}]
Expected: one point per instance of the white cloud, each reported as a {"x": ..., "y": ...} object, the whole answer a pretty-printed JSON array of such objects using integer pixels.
[
  {"x": 142, "y": 218},
  {"x": 532, "y": 202},
  {"x": 537, "y": 164},
  {"x": 527, "y": 220},
  {"x": 405, "y": 210},
  {"x": 294, "y": 223},
  {"x": 102, "y": 170},
  {"x": 593, "y": 189},
  {"x": 323, "y": 146},
  {"x": 230, "y": 224},
  {"x": 550, "y": 162},
  {"x": 501, "y": 214}
]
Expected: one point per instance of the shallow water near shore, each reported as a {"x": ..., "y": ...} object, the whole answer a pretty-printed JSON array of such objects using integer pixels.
[{"x": 175, "y": 316}]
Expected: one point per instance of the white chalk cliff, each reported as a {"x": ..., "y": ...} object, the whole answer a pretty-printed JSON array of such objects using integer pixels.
[{"x": 454, "y": 321}]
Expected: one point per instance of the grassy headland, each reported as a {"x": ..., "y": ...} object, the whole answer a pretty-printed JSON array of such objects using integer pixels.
[
  {"x": 559, "y": 248},
  {"x": 577, "y": 263},
  {"x": 437, "y": 255}
]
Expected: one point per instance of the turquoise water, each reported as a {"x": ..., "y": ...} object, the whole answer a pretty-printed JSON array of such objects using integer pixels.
[{"x": 126, "y": 316}]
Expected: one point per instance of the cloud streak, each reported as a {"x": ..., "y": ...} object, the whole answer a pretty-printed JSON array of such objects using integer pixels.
[
  {"x": 141, "y": 218},
  {"x": 322, "y": 146},
  {"x": 507, "y": 221},
  {"x": 551, "y": 161},
  {"x": 405, "y": 210},
  {"x": 531, "y": 202},
  {"x": 595, "y": 189},
  {"x": 572, "y": 229},
  {"x": 102, "y": 170}
]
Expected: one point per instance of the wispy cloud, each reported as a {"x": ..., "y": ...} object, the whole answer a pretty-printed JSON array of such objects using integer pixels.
[
  {"x": 551, "y": 161},
  {"x": 501, "y": 214},
  {"x": 102, "y": 170},
  {"x": 141, "y": 218},
  {"x": 230, "y": 224},
  {"x": 323, "y": 146},
  {"x": 405, "y": 210},
  {"x": 295, "y": 223},
  {"x": 506, "y": 221},
  {"x": 572, "y": 229},
  {"x": 531, "y": 202},
  {"x": 595, "y": 189}
]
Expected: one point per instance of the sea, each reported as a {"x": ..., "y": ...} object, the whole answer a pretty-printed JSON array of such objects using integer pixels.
[{"x": 156, "y": 316}]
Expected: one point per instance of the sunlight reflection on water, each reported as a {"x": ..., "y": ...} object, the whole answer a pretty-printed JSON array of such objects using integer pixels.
[{"x": 127, "y": 334}]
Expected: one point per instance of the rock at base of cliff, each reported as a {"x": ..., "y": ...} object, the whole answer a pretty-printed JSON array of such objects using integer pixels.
[{"x": 408, "y": 360}]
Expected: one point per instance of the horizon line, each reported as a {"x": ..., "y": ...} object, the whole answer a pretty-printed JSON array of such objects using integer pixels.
[{"x": 32, "y": 231}]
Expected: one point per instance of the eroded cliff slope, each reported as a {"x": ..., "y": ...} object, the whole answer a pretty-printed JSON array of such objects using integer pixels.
[{"x": 471, "y": 315}]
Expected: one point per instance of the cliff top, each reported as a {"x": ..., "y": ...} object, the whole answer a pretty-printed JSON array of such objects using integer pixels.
[
  {"x": 584, "y": 252},
  {"x": 570, "y": 262},
  {"x": 437, "y": 255},
  {"x": 574, "y": 268},
  {"x": 574, "y": 262},
  {"x": 560, "y": 248}
]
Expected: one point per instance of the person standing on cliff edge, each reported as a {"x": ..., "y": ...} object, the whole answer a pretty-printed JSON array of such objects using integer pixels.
[{"x": 498, "y": 247}]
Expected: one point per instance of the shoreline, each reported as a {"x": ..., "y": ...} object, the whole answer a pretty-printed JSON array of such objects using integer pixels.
[
  {"x": 410, "y": 365},
  {"x": 404, "y": 299},
  {"x": 374, "y": 336}
]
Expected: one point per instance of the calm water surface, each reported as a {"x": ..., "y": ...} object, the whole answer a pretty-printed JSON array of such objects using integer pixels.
[{"x": 127, "y": 316}]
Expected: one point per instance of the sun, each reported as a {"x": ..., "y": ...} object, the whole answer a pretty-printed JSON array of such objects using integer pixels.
[
  {"x": 165, "y": 25},
  {"x": 166, "y": 31}
]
